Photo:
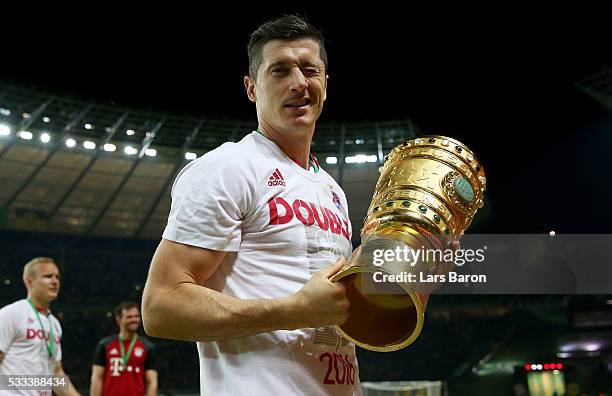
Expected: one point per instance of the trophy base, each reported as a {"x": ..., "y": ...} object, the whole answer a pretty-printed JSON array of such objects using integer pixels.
[{"x": 383, "y": 317}]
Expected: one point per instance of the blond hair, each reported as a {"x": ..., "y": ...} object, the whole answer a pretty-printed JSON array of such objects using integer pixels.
[{"x": 29, "y": 270}]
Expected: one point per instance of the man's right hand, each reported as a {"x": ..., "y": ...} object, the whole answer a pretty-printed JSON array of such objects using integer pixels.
[{"x": 321, "y": 302}]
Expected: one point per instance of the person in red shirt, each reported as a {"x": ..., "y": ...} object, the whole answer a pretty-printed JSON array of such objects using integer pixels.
[{"x": 124, "y": 363}]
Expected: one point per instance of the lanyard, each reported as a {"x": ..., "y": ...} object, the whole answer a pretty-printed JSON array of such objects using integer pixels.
[
  {"x": 51, "y": 345},
  {"x": 125, "y": 357}
]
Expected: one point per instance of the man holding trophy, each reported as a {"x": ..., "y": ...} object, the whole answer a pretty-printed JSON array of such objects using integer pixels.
[{"x": 251, "y": 265}]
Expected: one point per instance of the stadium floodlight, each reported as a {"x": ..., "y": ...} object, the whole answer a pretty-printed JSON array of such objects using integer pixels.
[
  {"x": 70, "y": 142},
  {"x": 5, "y": 112},
  {"x": 129, "y": 150},
  {"x": 191, "y": 156},
  {"x": 26, "y": 115},
  {"x": 27, "y": 135},
  {"x": 331, "y": 160},
  {"x": 151, "y": 152},
  {"x": 46, "y": 120},
  {"x": 360, "y": 159},
  {"x": 130, "y": 132},
  {"x": 359, "y": 141},
  {"x": 45, "y": 137},
  {"x": 110, "y": 147},
  {"x": 4, "y": 130},
  {"x": 89, "y": 145},
  {"x": 88, "y": 126}
]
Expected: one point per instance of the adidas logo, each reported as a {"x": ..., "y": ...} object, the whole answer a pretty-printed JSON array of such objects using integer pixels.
[{"x": 276, "y": 179}]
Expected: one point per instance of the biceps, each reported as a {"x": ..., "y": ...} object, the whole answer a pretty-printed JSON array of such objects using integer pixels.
[
  {"x": 151, "y": 376},
  {"x": 175, "y": 263},
  {"x": 97, "y": 371}
]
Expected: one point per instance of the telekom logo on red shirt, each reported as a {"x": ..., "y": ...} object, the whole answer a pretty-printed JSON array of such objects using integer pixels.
[{"x": 307, "y": 213}]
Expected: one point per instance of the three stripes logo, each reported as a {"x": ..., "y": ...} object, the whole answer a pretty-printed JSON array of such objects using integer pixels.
[{"x": 276, "y": 179}]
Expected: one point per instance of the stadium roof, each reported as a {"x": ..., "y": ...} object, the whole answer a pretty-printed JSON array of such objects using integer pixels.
[{"x": 82, "y": 168}]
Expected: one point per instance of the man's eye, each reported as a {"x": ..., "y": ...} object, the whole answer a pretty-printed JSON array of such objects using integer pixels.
[{"x": 278, "y": 71}]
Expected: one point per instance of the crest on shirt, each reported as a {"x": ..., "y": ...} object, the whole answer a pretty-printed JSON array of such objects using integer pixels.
[
  {"x": 336, "y": 200},
  {"x": 138, "y": 352},
  {"x": 113, "y": 351}
]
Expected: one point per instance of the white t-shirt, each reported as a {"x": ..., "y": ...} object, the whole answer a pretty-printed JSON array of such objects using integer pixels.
[
  {"x": 24, "y": 343},
  {"x": 280, "y": 224}
]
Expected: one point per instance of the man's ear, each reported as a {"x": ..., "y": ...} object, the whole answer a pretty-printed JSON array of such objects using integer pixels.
[
  {"x": 249, "y": 85},
  {"x": 325, "y": 88}
]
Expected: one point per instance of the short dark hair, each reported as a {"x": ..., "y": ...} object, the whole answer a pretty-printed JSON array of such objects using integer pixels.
[
  {"x": 124, "y": 306},
  {"x": 287, "y": 27}
]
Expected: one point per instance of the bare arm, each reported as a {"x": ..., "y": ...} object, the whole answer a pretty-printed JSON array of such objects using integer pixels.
[
  {"x": 69, "y": 389},
  {"x": 1, "y": 357},
  {"x": 175, "y": 306},
  {"x": 151, "y": 382},
  {"x": 97, "y": 379}
]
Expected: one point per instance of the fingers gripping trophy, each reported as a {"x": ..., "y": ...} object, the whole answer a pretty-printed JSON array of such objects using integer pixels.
[{"x": 427, "y": 194}]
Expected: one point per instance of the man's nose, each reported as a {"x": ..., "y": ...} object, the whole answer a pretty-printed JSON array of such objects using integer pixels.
[{"x": 298, "y": 80}]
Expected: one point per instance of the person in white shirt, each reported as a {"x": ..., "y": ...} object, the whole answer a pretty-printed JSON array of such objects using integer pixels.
[
  {"x": 255, "y": 231},
  {"x": 30, "y": 336}
]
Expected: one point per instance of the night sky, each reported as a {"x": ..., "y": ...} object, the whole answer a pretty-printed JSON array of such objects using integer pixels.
[{"x": 501, "y": 81}]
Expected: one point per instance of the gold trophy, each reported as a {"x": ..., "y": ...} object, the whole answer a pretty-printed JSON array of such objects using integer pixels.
[{"x": 427, "y": 194}]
